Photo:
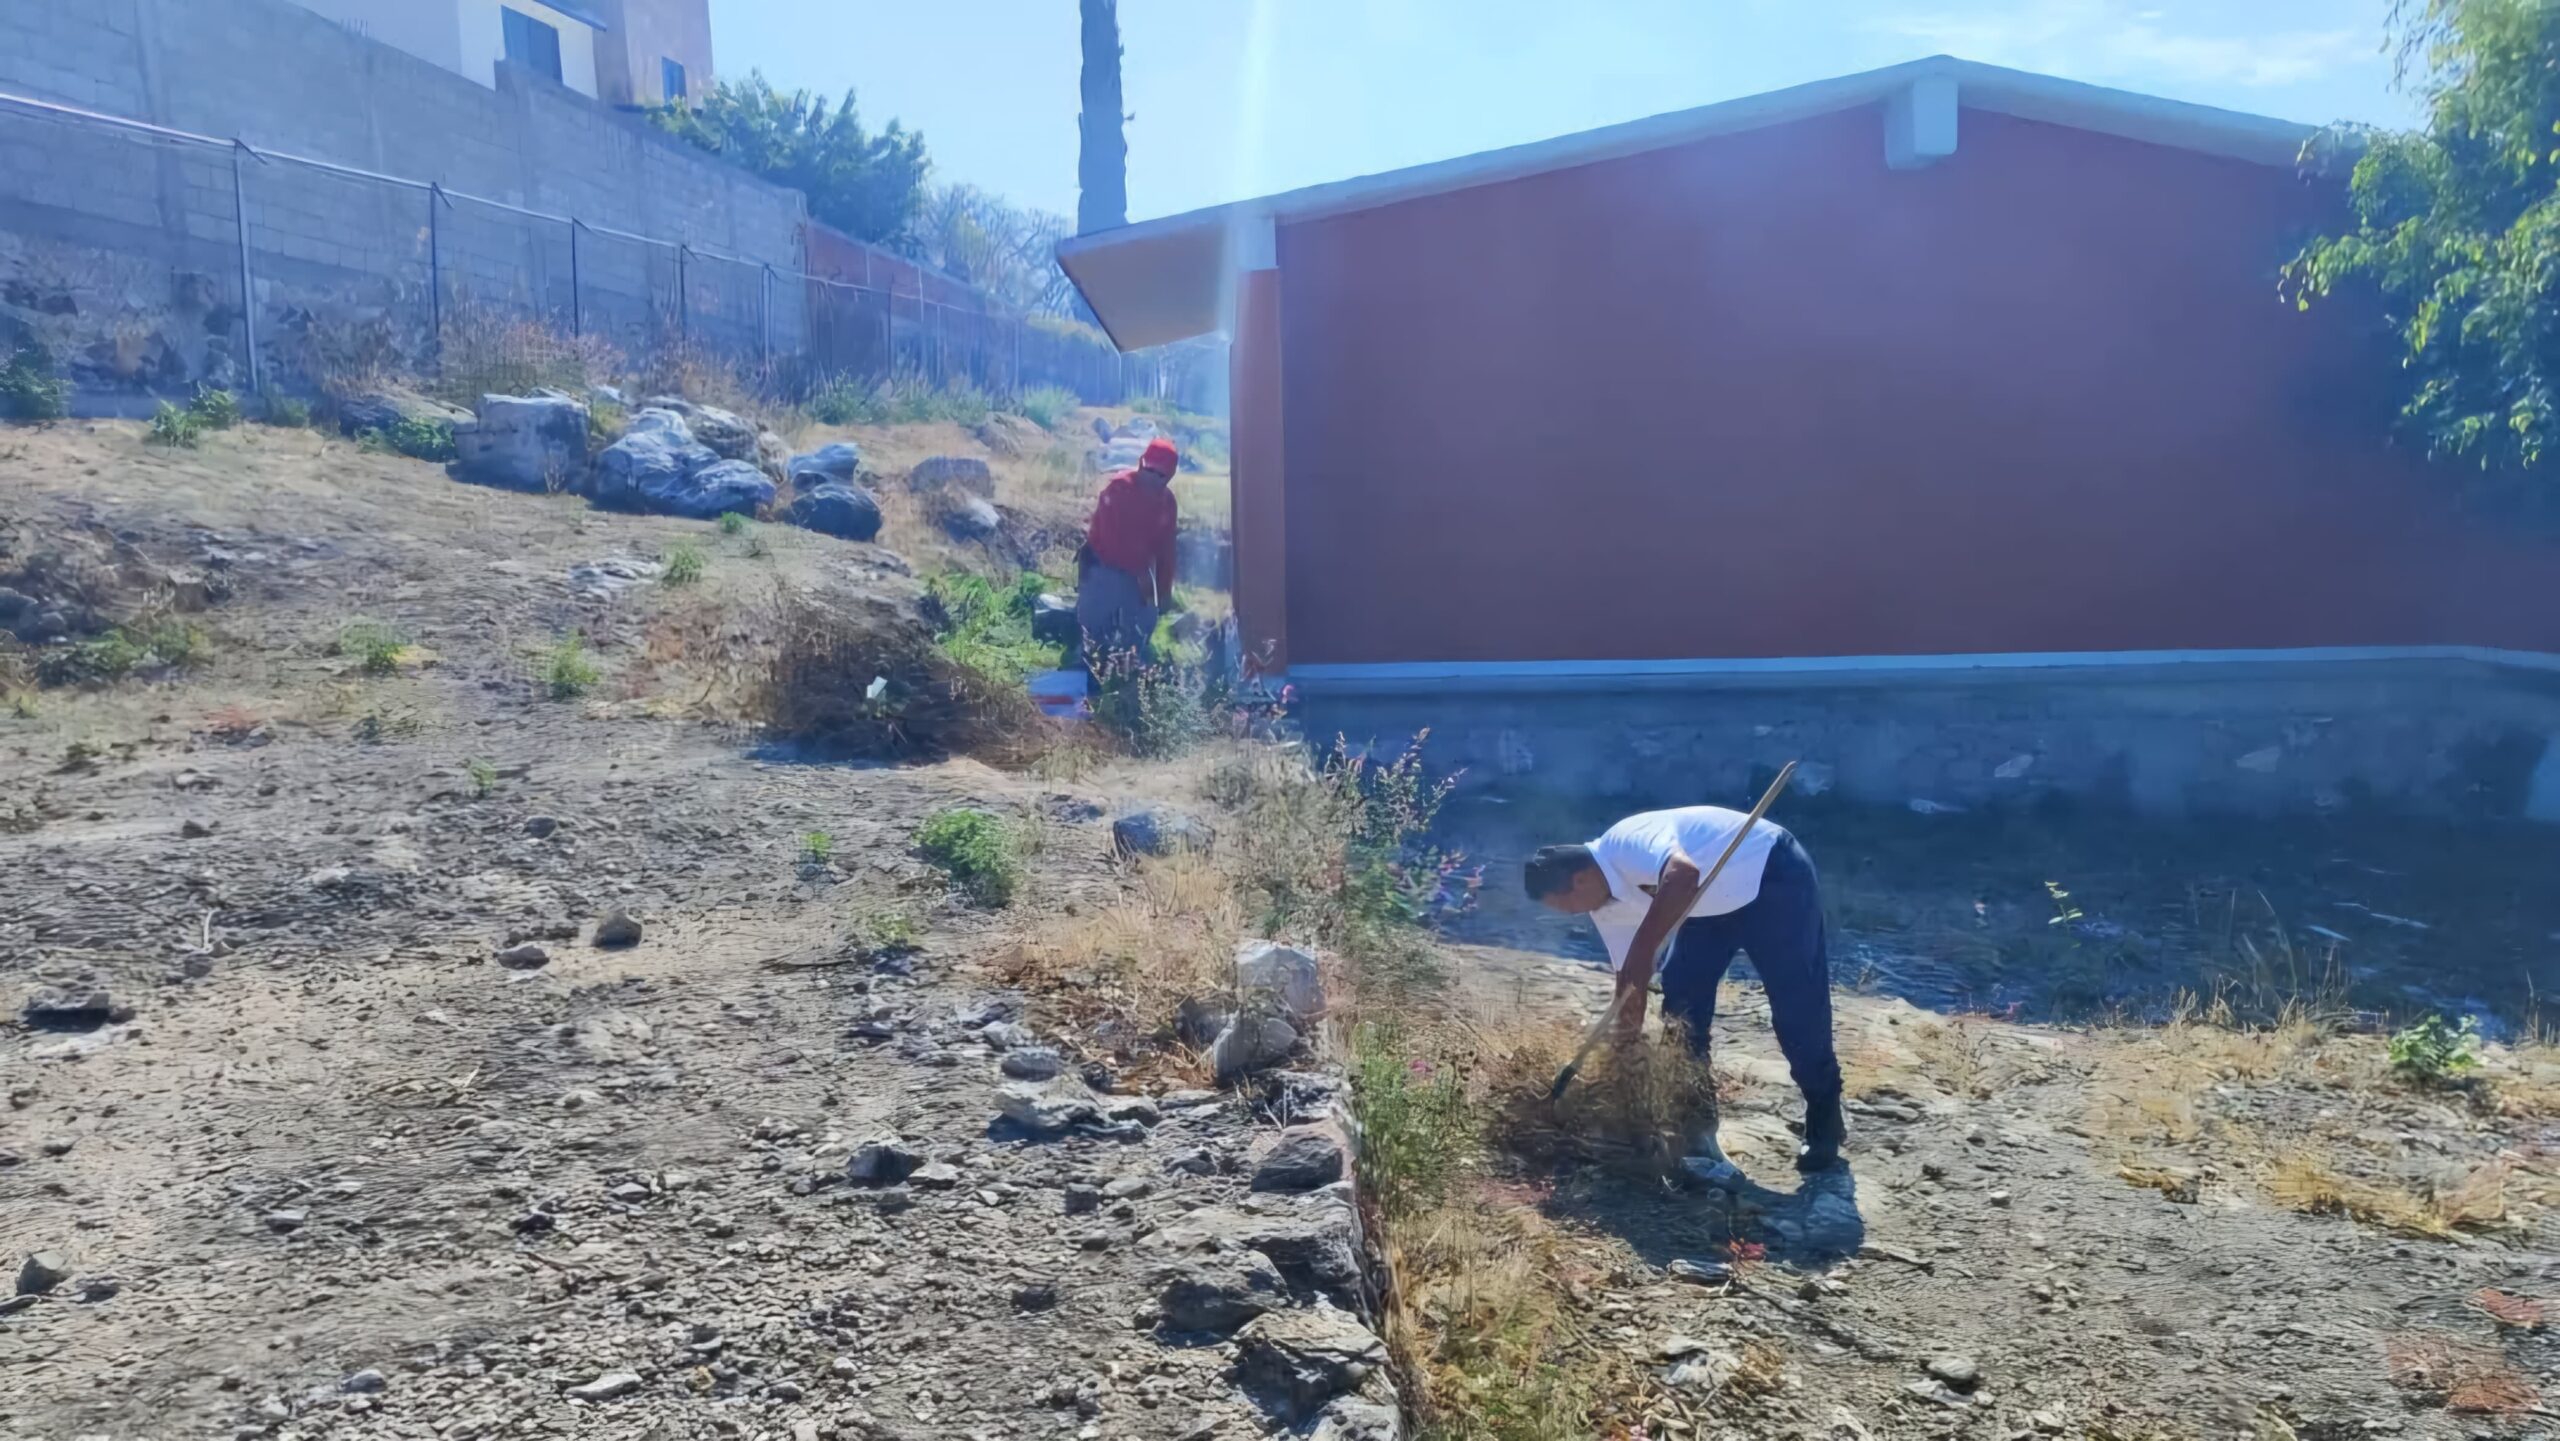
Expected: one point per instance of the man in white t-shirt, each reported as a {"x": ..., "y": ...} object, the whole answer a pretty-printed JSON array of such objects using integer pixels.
[{"x": 1642, "y": 885}]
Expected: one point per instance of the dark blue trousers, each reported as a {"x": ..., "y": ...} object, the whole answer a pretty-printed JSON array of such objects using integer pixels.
[{"x": 1782, "y": 929}]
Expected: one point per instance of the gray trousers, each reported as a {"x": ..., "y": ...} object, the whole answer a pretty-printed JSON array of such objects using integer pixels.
[{"x": 1115, "y": 610}]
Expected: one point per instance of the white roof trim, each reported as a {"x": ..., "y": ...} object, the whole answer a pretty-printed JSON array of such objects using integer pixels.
[{"x": 2256, "y": 139}]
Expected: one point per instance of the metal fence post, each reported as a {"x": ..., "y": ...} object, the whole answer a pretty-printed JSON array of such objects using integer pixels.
[
  {"x": 764, "y": 312},
  {"x": 240, "y": 151},
  {"x": 435, "y": 269},
  {"x": 684, "y": 296},
  {"x": 577, "y": 296}
]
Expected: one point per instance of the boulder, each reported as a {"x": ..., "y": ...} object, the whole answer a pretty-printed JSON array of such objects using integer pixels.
[
  {"x": 1295, "y": 1362},
  {"x": 383, "y": 409},
  {"x": 1350, "y": 1419},
  {"x": 1289, "y": 979},
  {"x": 645, "y": 464},
  {"x": 773, "y": 456},
  {"x": 1217, "y": 1293},
  {"x": 656, "y": 420},
  {"x": 1252, "y": 1041},
  {"x": 73, "y": 1008},
  {"x": 45, "y": 1270},
  {"x": 1315, "y": 1243},
  {"x": 840, "y": 462},
  {"x": 838, "y": 508},
  {"x": 1160, "y": 832},
  {"x": 970, "y": 517},
  {"x": 882, "y": 1161},
  {"x": 1199, "y": 1019},
  {"x": 728, "y": 435},
  {"x": 1305, "y": 1158},
  {"x": 1053, "y": 620},
  {"x": 953, "y": 472},
  {"x": 529, "y": 443},
  {"x": 717, "y": 489}
]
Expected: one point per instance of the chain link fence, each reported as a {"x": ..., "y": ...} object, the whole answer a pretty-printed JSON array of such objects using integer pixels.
[{"x": 144, "y": 261}]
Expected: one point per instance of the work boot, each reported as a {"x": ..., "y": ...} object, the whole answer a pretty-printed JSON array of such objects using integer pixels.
[
  {"x": 1824, "y": 1132},
  {"x": 1706, "y": 1162}
]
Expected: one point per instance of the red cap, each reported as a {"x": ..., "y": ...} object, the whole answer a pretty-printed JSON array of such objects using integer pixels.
[{"x": 1160, "y": 458}]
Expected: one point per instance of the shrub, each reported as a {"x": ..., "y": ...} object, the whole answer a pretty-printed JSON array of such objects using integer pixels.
[
  {"x": 1416, "y": 1126},
  {"x": 120, "y": 652},
  {"x": 417, "y": 437},
  {"x": 214, "y": 408},
  {"x": 482, "y": 775},
  {"x": 683, "y": 562},
  {"x": 732, "y": 523},
  {"x": 375, "y": 644},
  {"x": 2435, "y": 1052},
  {"x": 848, "y": 402},
  {"x": 1157, "y": 711},
  {"x": 605, "y": 424},
  {"x": 989, "y": 630},
  {"x": 29, "y": 389},
  {"x": 859, "y": 677},
  {"x": 284, "y": 412},
  {"x": 817, "y": 848},
  {"x": 1048, "y": 406},
  {"x": 977, "y": 851},
  {"x": 567, "y": 673},
  {"x": 173, "y": 427}
]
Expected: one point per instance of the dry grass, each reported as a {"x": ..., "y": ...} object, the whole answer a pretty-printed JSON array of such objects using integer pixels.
[
  {"x": 1976, "y": 1059},
  {"x": 1484, "y": 1314},
  {"x": 1120, "y": 974},
  {"x": 1633, "y": 1111},
  {"x": 2459, "y": 1375},
  {"x": 2303, "y": 1180},
  {"x": 856, "y": 676}
]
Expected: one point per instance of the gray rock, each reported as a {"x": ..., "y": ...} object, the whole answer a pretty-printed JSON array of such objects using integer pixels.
[
  {"x": 285, "y": 1222},
  {"x": 1251, "y": 1042},
  {"x": 1290, "y": 978},
  {"x": 1307, "y": 1158},
  {"x": 42, "y": 1272},
  {"x": 367, "y": 1382},
  {"x": 721, "y": 488},
  {"x": 1032, "y": 1063},
  {"x": 773, "y": 456},
  {"x": 1350, "y": 1419},
  {"x": 1035, "y": 1296},
  {"x": 953, "y": 472},
  {"x": 541, "y": 827},
  {"x": 1007, "y": 1035},
  {"x": 526, "y": 957},
  {"x": 1199, "y": 1019},
  {"x": 1044, "y": 1113},
  {"x": 609, "y": 1386},
  {"x": 1958, "y": 1371},
  {"x": 725, "y": 432},
  {"x": 634, "y": 471},
  {"x": 1706, "y": 1369},
  {"x": 935, "y": 1176},
  {"x": 1218, "y": 1293},
  {"x": 970, "y": 517},
  {"x": 73, "y": 1008},
  {"x": 1130, "y": 1188},
  {"x": 1317, "y": 1249},
  {"x": 97, "y": 1289},
  {"x": 1160, "y": 832},
  {"x": 1083, "y": 1200},
  {"x": 882, "y": 1161},
  {"x": 1294, "y": 1362},
  {"x": 840, "y": 463},
  {"x": 384, "y": 409},
  {"x": 838, "y": 508},
  {"x": 617, "y": 929},
  {"x": 1198, "y": 1161},
  {"x": 529, "y": 443}
]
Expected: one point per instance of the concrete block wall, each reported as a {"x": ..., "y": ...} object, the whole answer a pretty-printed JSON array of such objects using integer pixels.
[{"x": 75, "y": 201}]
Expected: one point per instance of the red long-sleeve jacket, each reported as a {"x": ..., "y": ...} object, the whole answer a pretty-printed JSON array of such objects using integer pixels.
[{"x": 1133, "y": 530}]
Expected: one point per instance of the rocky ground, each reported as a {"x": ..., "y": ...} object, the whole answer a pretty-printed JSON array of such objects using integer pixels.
[{"x": 336, "y": 1115}]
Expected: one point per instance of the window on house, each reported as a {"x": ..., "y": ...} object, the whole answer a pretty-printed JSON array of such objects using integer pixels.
[
  {"x": 531, "y": 44},
  {"x": 671, "y": 79}
]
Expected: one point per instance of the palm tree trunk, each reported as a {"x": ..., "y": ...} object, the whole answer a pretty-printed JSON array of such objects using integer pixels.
[{"x": 1102, "y": 166}]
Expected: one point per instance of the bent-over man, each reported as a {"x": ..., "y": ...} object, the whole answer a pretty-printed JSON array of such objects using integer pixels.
[
  {"x": 1124, "y": 574},
  {"x": 1642, "y": 885}
]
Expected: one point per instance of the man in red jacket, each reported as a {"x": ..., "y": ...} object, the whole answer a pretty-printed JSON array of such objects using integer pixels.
[{"x": 1125, "y": 571}]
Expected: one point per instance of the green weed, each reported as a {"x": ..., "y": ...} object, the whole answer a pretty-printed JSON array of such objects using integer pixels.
[
  {"x": 214, "y": 408},
  {"x": 1417, "y": 1128},
  {"x": 482, "y": 775},
  {"x": 683, "y": 563},
  {"x": 417, "y": 437},
  {"x": 173, "y": 427},
  {"x": 977, "y": 851},
  {"x": 2435, "y": 1052},
  {"x": 121, "y": 652},
  {"x": 284, "y": 412},
  {"x": 29, "y": 388},
  {"x": 376, "y": 645},
  {"x": 987, "y": 630},
  {"x": 567, "y": 673},
  {"x": 1048, "y": 406},
  {"x": 817, "y": 848},
  {"x": 733, "y": 524}
]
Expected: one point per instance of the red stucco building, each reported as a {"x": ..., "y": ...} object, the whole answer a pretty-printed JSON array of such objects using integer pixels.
[{"x": 1915, "y": 376}]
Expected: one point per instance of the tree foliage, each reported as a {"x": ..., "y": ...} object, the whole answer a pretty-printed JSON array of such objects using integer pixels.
[
  {"x": 2457, "y": 226},
  {"x": 1008, "y": 252},
  {"x": 870, "y": 186}
]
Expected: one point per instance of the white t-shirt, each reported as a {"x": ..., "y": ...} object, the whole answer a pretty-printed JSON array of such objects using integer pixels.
[{"x": 1633, "y": 852}]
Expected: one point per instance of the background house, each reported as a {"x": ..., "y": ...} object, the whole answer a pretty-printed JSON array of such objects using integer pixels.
[
  {"x": 556, "y": 41},
  {"x": 1846, "y": 412},
  {"x": 652, "y": 51}
]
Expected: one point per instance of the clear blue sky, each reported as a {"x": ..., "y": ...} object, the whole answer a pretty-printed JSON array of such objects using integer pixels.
[{"x": 1242, "y": 97}]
